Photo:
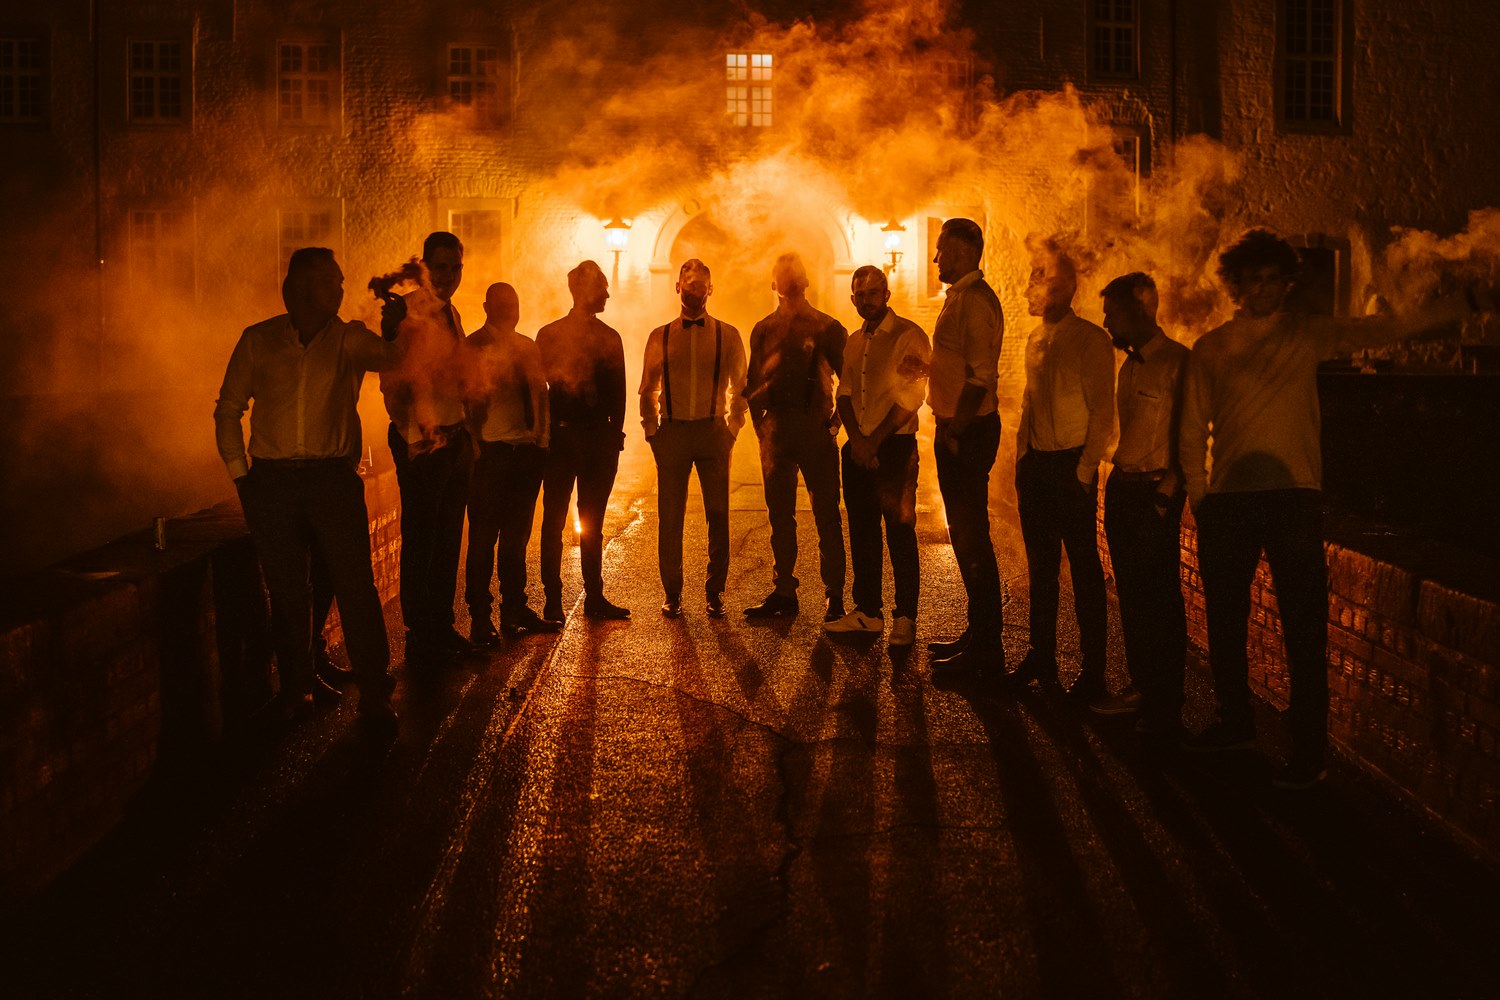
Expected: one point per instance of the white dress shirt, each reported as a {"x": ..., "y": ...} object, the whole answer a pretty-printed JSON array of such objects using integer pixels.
[
  {"x": 689, "y": 368},
  {"x": 870, "y": 380},
  {"x": 966, "y": 343},
  {"x": 1069, "y": 400},
  {"x": 1150, "y": 400}
]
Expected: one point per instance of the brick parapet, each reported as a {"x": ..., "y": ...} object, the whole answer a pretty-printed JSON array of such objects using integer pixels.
[{"x": 125, "y": 660}]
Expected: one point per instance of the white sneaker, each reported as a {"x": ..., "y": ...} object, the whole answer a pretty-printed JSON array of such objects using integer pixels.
[
  {"x": 855, "y": 622},
  {"x": 903, "y": 631}
]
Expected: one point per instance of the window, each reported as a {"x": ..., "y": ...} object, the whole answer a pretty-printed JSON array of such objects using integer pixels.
[
  {"x": 478, "y": 80},
  {"x": 22, "y": 81},
  {"x": 312, "y": 224},
  {"x": 158, "y": 81},
  {"x": 307, "y": 83},
  {"x": 1312, "y": 75},
  {"x": 160, "y": 249},
  {"x": 478, "y": 230},
  {"x": 1113, "y": 35},
  {"x": 749, "y": 88}
]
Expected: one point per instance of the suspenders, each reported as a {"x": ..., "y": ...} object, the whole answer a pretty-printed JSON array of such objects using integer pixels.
[{"x": 666, "y": 369}]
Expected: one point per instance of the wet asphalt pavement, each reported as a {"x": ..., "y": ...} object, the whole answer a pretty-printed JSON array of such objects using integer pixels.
[{"x": 727, "y": 809}]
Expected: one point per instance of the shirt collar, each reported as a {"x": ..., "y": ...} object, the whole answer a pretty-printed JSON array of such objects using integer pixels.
[
  {"x": 967, "y": 280},
  {"x": 884, "y": 326}
]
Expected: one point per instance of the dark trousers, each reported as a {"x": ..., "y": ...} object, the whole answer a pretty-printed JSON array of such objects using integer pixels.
[
  {"x": 502, "y": 504},
  {"x": 964, "y": 482},
  {"x": 1057, "y": 511},
  {"x": 791, "y": 442},
  {"x": 1233, "y": 529},
  {"x": 679, "y": 448},
  {"x": 291, "y": 509},
  {"x": 1144, "y": 547},
  {"x": 887, "y": 493},
  {"x": 588, "y": 456},
  {"x": 434, "y": 493}
]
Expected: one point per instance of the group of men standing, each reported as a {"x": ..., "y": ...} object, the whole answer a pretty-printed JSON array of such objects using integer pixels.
[{"x": 482, "y": 424}]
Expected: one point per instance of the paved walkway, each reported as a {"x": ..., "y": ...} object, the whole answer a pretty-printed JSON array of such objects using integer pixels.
[{"x": 719, "y": 808}]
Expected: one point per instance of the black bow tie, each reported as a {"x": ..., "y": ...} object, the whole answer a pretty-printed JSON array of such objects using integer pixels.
[{"x": 692, "y": 322}]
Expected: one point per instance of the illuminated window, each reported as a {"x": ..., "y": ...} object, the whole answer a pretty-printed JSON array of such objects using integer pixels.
[
  {"x": 1113, "y": 37},
  {"x": 1312, "y": 76},
  {"x": 307, "y": 83},
  {"x": 22, "y": 79},
  {"x": 479, "y": 231},
  {"x": 477, "y": 79},
  {"x": 314, "y": 224},
  {"x": 749, "y": 88},
  {"x": 160, "y": 249},
  {"x": 158, "y": 82}
]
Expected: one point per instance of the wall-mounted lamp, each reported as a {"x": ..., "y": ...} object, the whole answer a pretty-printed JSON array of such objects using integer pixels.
[
  {"x": 894, "y": 234},
  {"x": 616, "y": 237}
]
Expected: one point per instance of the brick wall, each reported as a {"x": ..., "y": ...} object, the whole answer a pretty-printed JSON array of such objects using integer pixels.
[
  {"x": 1414, "y": 669},
  {"x": 124, "y": 661}
]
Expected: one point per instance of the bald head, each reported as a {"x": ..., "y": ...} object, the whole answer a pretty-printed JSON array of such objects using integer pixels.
[{"x": 502, "y": 306}]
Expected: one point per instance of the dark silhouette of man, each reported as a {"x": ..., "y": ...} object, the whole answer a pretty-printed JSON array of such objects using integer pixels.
[
  {"x": 1067, "y": 416},
  {"x": 505, "y": 390},
  {"x": 692, "y": 408},
  {"x": 585, "y": 364},
  {"x": 878, "y": 402},
  {"x": 1143, "y": 508},
  {"x": 432, "y": 450},
  {"x": 961, "y": 390},
  {"x": 795, "y": 355},
  {"x": 1252, "y": 392},
  {"x": 297, "y": 480}
]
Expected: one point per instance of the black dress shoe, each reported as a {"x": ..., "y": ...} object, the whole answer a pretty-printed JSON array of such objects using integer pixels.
[
  {"x": 972, "y": 660},
  {"x": 834, "y": 610},
  {"x": 942, "y": 648},
  {"x": 716, "y": 606},
  {"x": 1034, "y": 666},
  {"x": 333, "y": 673},
  {"x": 448, "y": 638},
  {"x": 598, "y": 607},
  {"x": 774, "y": 606},
  {"x": 526, "y": 622},
  {"x": 552, "y": 611},
  {"x": 482, "y": 634},
  {"x": 671, "y": 607},
  {"x": 324, "y": 693}
]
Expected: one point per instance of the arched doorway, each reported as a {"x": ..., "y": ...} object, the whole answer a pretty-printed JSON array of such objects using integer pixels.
[{"x": 739, "y": 244}]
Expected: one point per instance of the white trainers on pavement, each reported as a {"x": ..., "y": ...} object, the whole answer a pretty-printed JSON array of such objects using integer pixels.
[
  {"x": 903, "y": 631},
  {"x": 856, "y": 622}
]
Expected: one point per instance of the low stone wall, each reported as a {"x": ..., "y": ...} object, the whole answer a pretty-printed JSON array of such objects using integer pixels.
[{"x": 127, "y": 660}]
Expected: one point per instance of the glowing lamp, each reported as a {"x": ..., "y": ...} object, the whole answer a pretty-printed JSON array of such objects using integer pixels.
[
  {"x": 895, "y": 232},
  {"x": 616, "y": 234}
]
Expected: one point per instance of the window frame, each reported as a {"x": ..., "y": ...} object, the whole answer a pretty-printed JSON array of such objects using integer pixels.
[
  {"x": 333, "y": 75},
  {"x": 306, "y": 207},
  {"x": 183, "y": 76},
  {"x": 750, "y": 89},
  {"x": 1096, "y": 52},
  {"x": 496, "y": 112},
  {"x": 1342, "y": 76},
  {"x": 19, "y": 35},
  {"x": 184, "y": 242}
]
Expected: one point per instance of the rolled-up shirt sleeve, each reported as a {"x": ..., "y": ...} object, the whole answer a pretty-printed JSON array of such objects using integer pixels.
[
  {"x": 981, "y": 323},
  {"x": 229, "y": 411},
  {"x": 734, "y": 358},
  {"x": 908, "y": 393},
  {"x": 651, "y": 367},
  {"x": 1192, "y": 429},
  {"x": 368, "y": 350}
]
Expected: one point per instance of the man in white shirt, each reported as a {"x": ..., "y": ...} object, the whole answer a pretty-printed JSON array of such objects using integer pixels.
[
  {"x": 1067, "y": 416},
  {"x": 1252, "y": 391},
  {"x": 1143, "y": 509},
  {"x": 961, "y": 390},
  {"x": 505, "y": 392},
  {"x": 692, "y": 408},
  {"x": 431, "y": 448},
  {"x": 878, "y": 407},
  {"x": 297, "y": 480}
]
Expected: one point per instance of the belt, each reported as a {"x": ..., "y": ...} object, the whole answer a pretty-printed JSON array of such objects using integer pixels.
[
  {"x": 1151, "y": 476},
  {"x": 695, "y": 420},
  {"x": 271, "y": 464}
]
